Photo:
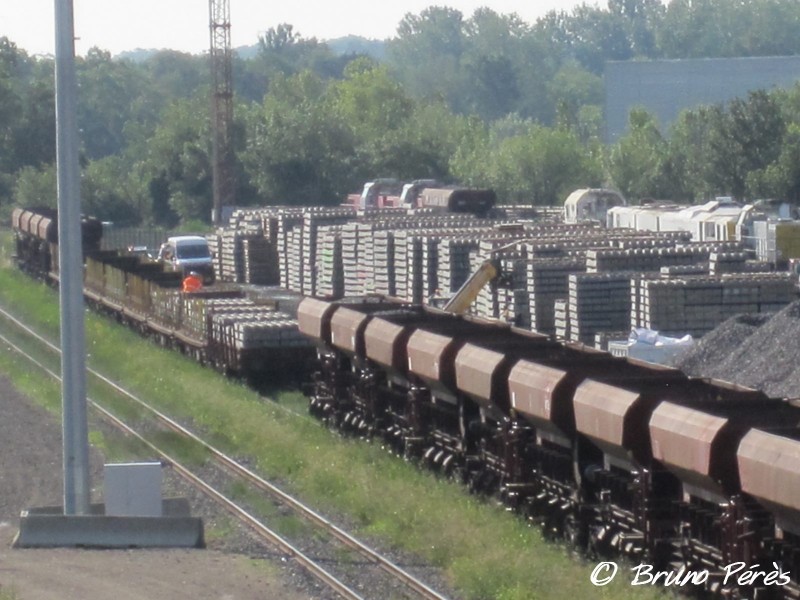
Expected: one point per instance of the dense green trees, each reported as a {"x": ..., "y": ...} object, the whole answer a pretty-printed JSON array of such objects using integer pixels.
[
  {"x": 746, "y": 149},
  {"x": 526, "y": 163},
  {"x": 640, "y": 164},
  {"x": 297, "y": 149},
  {"x": 483, "y": 99}
]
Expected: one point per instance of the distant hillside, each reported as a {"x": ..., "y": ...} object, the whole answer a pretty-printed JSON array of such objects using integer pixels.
[
  {"x": 353, "y": 44},
  {"x": 350, "y": 44},
  {"x": 139, "y": 55}
]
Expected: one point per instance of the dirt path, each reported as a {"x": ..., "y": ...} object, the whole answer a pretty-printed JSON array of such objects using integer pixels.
[{"x": 30, "y": 475}]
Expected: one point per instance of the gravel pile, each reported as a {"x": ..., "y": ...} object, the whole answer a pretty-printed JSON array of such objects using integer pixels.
[{"x": 759, "y": 351}]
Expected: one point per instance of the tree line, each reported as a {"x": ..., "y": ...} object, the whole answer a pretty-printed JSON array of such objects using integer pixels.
[{"x": 485, "y": 100}]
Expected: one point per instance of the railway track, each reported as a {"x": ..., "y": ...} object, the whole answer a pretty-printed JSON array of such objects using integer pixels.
[{"x": 399, "y": 582}]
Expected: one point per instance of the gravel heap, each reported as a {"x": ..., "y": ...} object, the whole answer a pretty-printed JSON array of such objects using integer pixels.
[{"x": 759, "y": 351}]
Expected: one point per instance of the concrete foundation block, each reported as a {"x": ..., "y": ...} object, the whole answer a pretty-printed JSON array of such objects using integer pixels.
[{"x": 49, "y": 527}]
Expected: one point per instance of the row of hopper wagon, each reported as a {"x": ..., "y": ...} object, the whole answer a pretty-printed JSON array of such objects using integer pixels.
[
  {"x": 618, "y": 457},
  {"x": 36, "y": 239},
  {"x": 221, "y": 326}
]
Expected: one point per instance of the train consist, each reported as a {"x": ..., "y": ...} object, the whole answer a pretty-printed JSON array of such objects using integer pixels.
[
  {"x": 616, "y": 456},
  {"x": 222, "y": 326},
  {"x": 698, "y": 479}
]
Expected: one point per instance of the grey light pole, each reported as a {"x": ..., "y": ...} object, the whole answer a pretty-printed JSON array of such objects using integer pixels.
[{"x": 70, "y": 259}]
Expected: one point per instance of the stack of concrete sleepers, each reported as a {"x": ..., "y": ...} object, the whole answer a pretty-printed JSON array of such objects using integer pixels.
[
  {"x": 454, "y": 266},
  {"x": 222, "y": 314},
  {"x": 350, "y": 250},
  {"x": 366, "y": 256},
  {"x": 433, "y": 281},
  {"x": 313, "y": 219},
  {"x": 260, "y": 261},
  {"x": 598, "y": 302},
  {"x": 409, "y": 269},
  {"x": 548, "y": 280},
  {"x": 529, "y": 212},
  {"x": 408, "y": 266},
  {"x": 167, "y": 306},
  {"x": 643, "y": 259},
  {"x": 249, "y": 216},
  {"x": 197, "y": 307},
  {"x": 382, "y": 272},
  {"x": 513, "y": 298},
  {"x": 230, "y": 249},
  {"x": 247, "y": 250},
  {"x": 330, "y": 270},
  {"x": 561, "y": 316},
  {"x": 384, "y": 262},
  {"x": 249, "y": 334},
  {"x": 289, "y": 253},
  {"x": 232, "y": 260},
  {"x": 664, "y": 239},
  {"x": 727, "y": 262},
  {"x": 358, "y": 256},
  {"x": 490, "y": 302},
  {"x": 215, "y": 247},
  {"x": 696, "y": 305},
  {"x": 269, "y": 221},
  {"x": 637, "y": 284},
  {"x": 296, "y": 270},
  {"x": 275, "y": 330},
  {"x": 358, "y": 252},
  {"x": 378, "y": 260},
  {"x": 430, "y": 263}
]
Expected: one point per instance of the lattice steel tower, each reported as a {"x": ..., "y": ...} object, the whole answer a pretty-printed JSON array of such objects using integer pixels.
[{"x": 221, "y": 106}]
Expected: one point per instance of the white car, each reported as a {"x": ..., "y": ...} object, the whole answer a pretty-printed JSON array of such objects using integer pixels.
[{"x": 189, "y": 253}]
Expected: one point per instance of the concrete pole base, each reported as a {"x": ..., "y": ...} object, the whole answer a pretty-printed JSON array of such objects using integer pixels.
[{"x": 49, "y": 527}]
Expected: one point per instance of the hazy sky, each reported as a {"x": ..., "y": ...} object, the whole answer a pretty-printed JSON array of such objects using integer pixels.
[{"x": 115, "y": 25}]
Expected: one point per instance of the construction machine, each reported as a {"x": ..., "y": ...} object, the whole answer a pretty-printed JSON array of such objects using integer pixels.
[
  {"x": 379, "y": 193},
  {"x": 489, "y": 272},
  {"x": 423, "y": 193}
]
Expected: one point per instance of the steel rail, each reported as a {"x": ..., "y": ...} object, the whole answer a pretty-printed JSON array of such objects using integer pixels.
[
  {"x": 248, "y": 519},
  {"x": 260, "y": 483}
]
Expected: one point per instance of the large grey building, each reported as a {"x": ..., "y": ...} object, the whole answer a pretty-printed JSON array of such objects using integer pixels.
[{"x": 667, "y": 87}]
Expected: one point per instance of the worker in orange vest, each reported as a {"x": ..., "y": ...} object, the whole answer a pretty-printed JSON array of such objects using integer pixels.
[{"x": 192, "y": 282}]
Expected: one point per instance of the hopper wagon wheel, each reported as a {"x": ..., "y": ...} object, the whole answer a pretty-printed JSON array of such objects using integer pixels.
[
  {"x": 314, "y": 408},
  {"x": 331, "y": 420},
  {"x": 552, "y": 527},
  {"x": 575, "y": 534},
  {"x": 599, "y": 544},
  {"x": 396, "y": 441},
  {"x": 409, "y": 449},
  {"x": 475, "y": 482},
  {"x": 460, "y": 474}
]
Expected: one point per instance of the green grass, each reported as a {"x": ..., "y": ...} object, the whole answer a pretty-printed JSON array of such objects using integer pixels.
[
  {"x": 287, "y": 525},
  {"x": 117, "y": 447},
  {"x": 224, "y": 527},
  {"x": 485, "y": 551},
  {"x": 8, "y": 593}
]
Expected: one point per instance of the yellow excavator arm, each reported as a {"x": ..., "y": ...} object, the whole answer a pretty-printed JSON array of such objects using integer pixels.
[{"x": 468, "y": 292}]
